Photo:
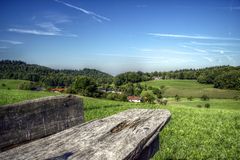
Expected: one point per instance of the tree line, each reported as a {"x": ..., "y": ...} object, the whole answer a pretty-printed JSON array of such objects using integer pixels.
[
  {"x": 48, "y": 76},
  {"x": 227, "y": 77},
  {"x": 221, "y": 76}
]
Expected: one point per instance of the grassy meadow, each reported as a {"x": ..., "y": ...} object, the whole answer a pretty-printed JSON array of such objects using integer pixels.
[
  {"x": 192, "y": 132},
  {"x": 10, "y": 83},
  {"x": 186, "y": 88},
  {"x": 9, "y": 92}
]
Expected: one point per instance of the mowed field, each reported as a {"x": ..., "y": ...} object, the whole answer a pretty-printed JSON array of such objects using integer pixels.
[
  {"x": 187, "y": 88},
  {"x": 9, "y": 92},
  {"x": 10, "y": 83},
  {"x": 192, "y": 132}
]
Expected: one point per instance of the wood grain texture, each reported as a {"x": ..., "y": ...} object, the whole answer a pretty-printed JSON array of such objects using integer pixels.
[
  {"x": 121, "y": 136},
  {"x": 34, "y": 119}
]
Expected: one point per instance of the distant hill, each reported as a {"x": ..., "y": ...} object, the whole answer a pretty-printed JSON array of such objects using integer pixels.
[
  {"x": 53, "y": 77},
  {"x": 227, "y": 77}
]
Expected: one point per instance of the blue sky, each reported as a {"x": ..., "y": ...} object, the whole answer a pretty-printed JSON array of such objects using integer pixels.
[{"x": 118, "y": 36}]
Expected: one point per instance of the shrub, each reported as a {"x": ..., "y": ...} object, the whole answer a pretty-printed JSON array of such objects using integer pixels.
[
  {"x": 150, "y": 88},
  {"x": 162, "y": 87},
  {"x": 190, "y": 98},
  {"x": 204, "y": 97},
  {"x": 70, "y": 90},
  {"x": 148, "y": 96},
  {"x": 207, "y": 105},
  {"x": 162, "y": 101},
  {"x": 3, "y": 84},
  {"x": 115, "y": 96},
  {"x": 111, "y": 96},
  {"x": 199, "y": 106},
  {"x": 236, "y": 98},
  {"x": 177, "y": 97},
  {"x": 157, "y": 92},
  {"x": 122, "y": 97},
  {"x": 26, "y": 86}
]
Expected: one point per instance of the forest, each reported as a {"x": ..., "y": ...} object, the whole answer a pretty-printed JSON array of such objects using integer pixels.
[{"x": 48, "y": 76}]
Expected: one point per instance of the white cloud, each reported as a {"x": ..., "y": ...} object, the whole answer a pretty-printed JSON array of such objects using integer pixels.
[
  {"x": 214, "y": 44},
  {"x": 40, "y": 32},
  {"x": 230, "y": 8},
  {"x": 57, "y": 18},
  {"x": 3, "y": 47},
  {"x": 49, "y": 27},
  {"x": 11, "y": 42},
  {"x": 194, "y": 48},
  {"x": 35, "y": 32},
  {"x": 146, "y": 50},
  {"x": 208, "y": 58},
  {"x": 96, "y": 17},
  {"x": 192, "y": 37}
]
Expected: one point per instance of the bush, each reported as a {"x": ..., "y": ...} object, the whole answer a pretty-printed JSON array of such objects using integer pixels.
[
  {"x": 190, "y": 98},
  {"x": 177, "y": 98},
  {"x": 122, "y": 97},
  {"x": 3, "y": 85},
  {"x": 157, "y": 92},
  {"x": 150, "y": 88},
  {"x": 70, "y": 90},
  {"x": 148, "y": 96},
  {"x": 236, "y": 98},
  {"x": 199, "y": 106},
  {"x": 111, "y": 96},
  {"x": 115, "y": 96},
  {"x": 207, "y": 105},
  {"x": 162, "y": 101},
  {"x": 26, "y": 86},
  {"x": 205, "y": 97},
  {"x": 162, "y": 87}
]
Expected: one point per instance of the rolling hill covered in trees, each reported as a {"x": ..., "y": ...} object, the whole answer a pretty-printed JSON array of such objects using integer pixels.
[
  {"x": 48, "y": 76},
  {"x": 227, "y": 77}
]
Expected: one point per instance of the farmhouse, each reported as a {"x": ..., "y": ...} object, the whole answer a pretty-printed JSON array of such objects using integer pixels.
[
  {"x": 135, "y": 99},
  {"x": 57, "y": 90}
]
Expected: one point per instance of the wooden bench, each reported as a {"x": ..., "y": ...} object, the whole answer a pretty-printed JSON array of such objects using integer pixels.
[
  {"x": 30, "y": 120},
  {"x": 132, "y": 134}
]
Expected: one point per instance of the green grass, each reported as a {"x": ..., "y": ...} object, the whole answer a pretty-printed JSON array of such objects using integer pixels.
[
  {"x": 192, "y": 133},
  {"x": 186, "y": 88},
  {"x": 228, "y": 104},
  {"x": 13, "y": 96},
  {"x": 10, "y": 83}
]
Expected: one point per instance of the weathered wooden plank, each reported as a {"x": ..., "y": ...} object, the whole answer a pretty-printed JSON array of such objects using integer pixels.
[
  {"x": 122, "y": 136},
  {"x": 34, "y": 119}
]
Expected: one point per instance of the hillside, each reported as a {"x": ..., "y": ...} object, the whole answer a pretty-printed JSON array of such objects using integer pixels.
[
  {"x": 223, "y": 77},
  {"x": 10, "y": 83},
  {"x": 52, "y": 77},
  {"x": 187, "y": 88}
]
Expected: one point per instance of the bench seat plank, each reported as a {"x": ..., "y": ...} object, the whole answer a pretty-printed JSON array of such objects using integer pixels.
[{"x": 120, "y": 136}]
